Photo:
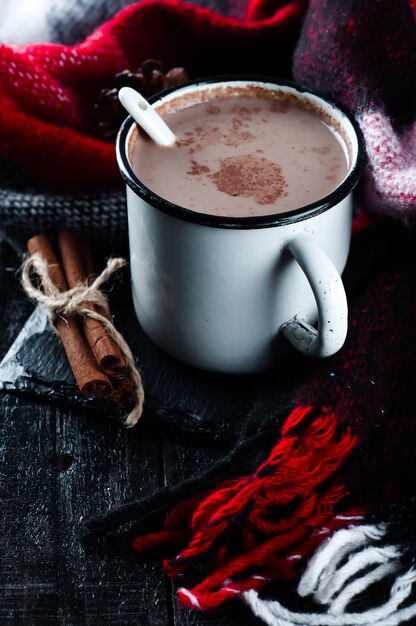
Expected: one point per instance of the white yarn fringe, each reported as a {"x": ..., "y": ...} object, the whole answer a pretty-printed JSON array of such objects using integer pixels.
[{"x": 332, "y": 578}]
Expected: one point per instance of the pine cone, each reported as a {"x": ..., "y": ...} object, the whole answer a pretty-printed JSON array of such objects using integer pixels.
[{"x": 148, "y": 80}]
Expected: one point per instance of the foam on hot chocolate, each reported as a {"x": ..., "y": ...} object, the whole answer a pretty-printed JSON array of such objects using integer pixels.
[{"x": 243, "y": 156}]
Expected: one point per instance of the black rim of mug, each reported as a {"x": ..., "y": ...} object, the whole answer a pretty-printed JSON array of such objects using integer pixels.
[{"x": 247, "y": 223}]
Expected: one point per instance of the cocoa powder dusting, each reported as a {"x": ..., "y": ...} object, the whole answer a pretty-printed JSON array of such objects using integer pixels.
[
  {"x": 238, "y": 137},
  {"x": 241, "y": 154},
  {"x": 250, "y": 176},
  {"x": 321, "y": 149},
  {"x": 197, "y": 168}
]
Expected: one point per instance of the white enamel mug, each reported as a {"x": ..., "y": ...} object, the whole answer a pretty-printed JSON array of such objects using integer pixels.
[{"x": 218, "y": 292}]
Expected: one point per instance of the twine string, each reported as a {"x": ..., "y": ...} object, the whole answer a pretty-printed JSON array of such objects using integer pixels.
[{"x": 72, "y": 302}]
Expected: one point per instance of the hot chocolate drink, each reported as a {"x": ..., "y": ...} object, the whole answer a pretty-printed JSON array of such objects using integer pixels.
[
  {"x": 219, "y": 289},
  {"x": 243, "y": 156}
]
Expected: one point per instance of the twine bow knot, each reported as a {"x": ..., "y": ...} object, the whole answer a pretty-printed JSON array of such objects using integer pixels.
[{"x": 73, "y": 303}]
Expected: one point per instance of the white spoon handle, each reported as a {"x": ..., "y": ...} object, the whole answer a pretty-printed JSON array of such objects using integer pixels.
[{"x": 145, "y": 115}]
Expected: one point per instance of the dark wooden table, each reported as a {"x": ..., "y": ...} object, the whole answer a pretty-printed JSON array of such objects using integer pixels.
[{"x": 60, "y": 467}]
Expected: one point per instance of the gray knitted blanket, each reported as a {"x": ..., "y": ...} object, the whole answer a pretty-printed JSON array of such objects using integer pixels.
[{"x": 25, "y": 211}]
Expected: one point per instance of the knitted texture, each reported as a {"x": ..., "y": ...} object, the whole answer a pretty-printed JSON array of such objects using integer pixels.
[
  {"x": 69, "y": 21},
  {"x": 63, "y": 21},
  {"x": 391, "y": 183},
  {"x": 47, "y": 91},
  {"x": 66, "y": 175},
  {"x": 25, "y": 211},
  {"x": 362, "y": 55}
]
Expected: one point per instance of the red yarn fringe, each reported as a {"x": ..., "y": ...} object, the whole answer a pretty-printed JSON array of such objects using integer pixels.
[{"x": 257, "y": 528}]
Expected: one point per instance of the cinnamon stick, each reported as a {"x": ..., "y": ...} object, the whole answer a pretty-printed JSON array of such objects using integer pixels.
[
  {"x": 78, "y": 266},
  {"x": 81, "y": 359},
  {"x": 122, "y": 390}
]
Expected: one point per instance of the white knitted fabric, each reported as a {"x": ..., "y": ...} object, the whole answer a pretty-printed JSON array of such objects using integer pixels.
[
  {"x": 66, "y": 21},
  {"x": 391, "y": 177},
  {"x": 24, "y": 21},
  {"x": 70, "y": 21}
]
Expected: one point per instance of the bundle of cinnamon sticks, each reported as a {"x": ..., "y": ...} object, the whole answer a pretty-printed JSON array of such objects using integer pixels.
[{"x": 97, "y": 363}]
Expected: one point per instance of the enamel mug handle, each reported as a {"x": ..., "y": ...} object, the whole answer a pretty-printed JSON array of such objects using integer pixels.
[{"x": 330, "y": 298}]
